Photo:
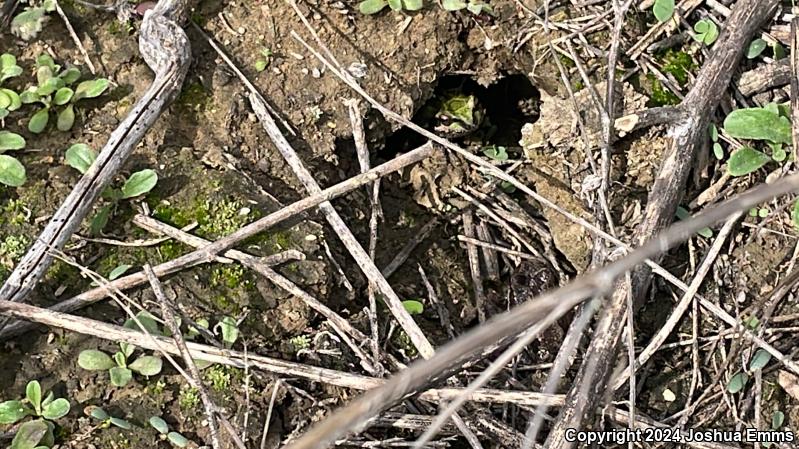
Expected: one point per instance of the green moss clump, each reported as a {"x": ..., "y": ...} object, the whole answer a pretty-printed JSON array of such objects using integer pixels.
[
  {"x": 678, "y": 64},
  {"x": 194, "y": 98},
  {"x": 221, "y": 377},
  {"x": 231, "y": 276},
  {"x": 12, "y": 248},
  {"x": 660, "y": 95},
  {"x": 189, "y": 398}
]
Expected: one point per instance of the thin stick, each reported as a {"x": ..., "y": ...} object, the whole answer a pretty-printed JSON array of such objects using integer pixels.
[
  {"x": 75, "y": 37},
  {"x": 268, "y": 420},
  {"x": 208, "y": 253},
  {"x": 194, "y": 373}
]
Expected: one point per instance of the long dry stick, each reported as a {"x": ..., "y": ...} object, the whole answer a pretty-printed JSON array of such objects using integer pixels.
[
  {"x": 355, "y": 414},
  {"x": 367, "y": 265},
  {"x": 208, "y": 253},
  {"x": 165, "y": 48},
  {"x": 238, "y": 359}
]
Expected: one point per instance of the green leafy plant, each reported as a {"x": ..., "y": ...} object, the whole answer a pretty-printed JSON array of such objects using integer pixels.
[
  {"x": 375, "y": 6},
  {"x": 737, "y": 382},
  {"x": 54, "y": 92},
  {"x": 9, "y": 100},
  {"x": 769, "y": 124},
  {"x": 706, "y": 31},
  {"x": 106, "y": 420},
  {"x": 119, "y": 370},
  {"x": 718, "y": 151},
  {"x": 264, "y": 60},
  {"x": 663, "y": 10},
  {"x": 497, "y": 153},
  {"x": 27, "y": 24},
  {"x": 47, "y": 407},
  {"x": 81, "y": 157},
  {"x": 36, "y": 433},
  {"x": 173, "y": 437}
]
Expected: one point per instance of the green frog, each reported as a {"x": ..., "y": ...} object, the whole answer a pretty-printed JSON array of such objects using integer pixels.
[{"x": 458, "y": 115}]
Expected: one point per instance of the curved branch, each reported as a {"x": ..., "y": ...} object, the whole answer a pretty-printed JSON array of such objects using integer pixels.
[{"x": 166, "y": 49}]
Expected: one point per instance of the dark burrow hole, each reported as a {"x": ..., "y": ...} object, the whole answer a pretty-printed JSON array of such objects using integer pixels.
[{"x": 506, "y": 105}]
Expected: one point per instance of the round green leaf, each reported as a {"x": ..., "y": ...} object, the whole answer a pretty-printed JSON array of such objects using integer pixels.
[
  {"x": 69, "y": 75},
  {"x": 16, "y": 102},
  {"x": 12, "y": 172},
  {"x": 5, "y": 100},
  {"x": 759, "y": 360},
  {"x": 139, "y": 183},
  {"x": 147, "y": 365},
  {"x": 50, "y": 86},
  {"x": 29, "y": 96},
  {"x": 758, "y": 124},
  {"x": 159, "y": 424},
  {"x": 737, "y": 382},
  {"x": 63, "y": 95},
  {"x": 56, "y": 409},
  {"x": 663, "y": 10},
  {"x": 11, "y": 141},
  {"x": 120, "y": 376},
  {"x": 745, "y": 161},
  {"x": 39, "y": 121},
  {"x": 33, "y": 393},
  {"x": 13, "y": 411},
  {"x": 413, "y": 5},
  {"x": 718, "y": 151},
  {"x": 371, "y": 6},
  {"x": 29, "y": 435},
  {"x": 66, "y": 118},
  {"x": 756, "y": 48},
  {"x": 177, "y": 439},
  {"x": 43, "y": 75},
  {"x": 91, "y": 88},
  {"x": 453, "y": 5},
  {"x": 707, "y": 31},
  {"x": 7, "y": 60},
  {"x": 94, "y": 360},
  {"x": 147, "y": 320},
  {"x": 777, "y": 419},
  {"x": 413, "y": 307},
  {"x": 80, "y": 157},
  {"x": 230, "y": 330}
]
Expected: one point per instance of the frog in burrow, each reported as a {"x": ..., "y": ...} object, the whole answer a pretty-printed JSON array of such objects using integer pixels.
[{"x": 458, "y": 115}]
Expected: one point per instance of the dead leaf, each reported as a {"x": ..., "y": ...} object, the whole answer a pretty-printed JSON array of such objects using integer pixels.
[{"x": 789, "y": 382}]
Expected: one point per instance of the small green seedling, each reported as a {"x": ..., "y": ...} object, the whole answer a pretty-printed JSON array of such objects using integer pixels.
[
  {"x": 173, "y": 437},
  {"x": 413, "y": 306},
  {"x": 375, "y": 6},
  {"x": 756, "y": 48},
  {"x": 119, "y": 370},
  {"x": 81, "y": 157},
  {"x": 33, "y": 405},
  {"x": 27, "y": 24},
  {"x": 229, "y": 330},
  {"x": 737, "y": 382},
  {"x": 718, "y": 151},
  {"x": 106, "y": 420},
  {"x": 769, "y": 124},
  {"x": 264, "y": 60},
  {"x": 37, "y": 433},
  {"x": 663, "y": 10},
  {"x": 475, "y": 7},
  {"x": 497, "y": 153},
  {"x": 9, "y": 100},
  {"x": 53, "y": 91},
  {"x": 706, "y": 32}
]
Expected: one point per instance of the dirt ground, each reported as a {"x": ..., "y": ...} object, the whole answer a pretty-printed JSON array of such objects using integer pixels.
[{"x": 218, "y": 168}]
